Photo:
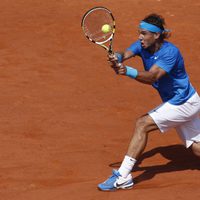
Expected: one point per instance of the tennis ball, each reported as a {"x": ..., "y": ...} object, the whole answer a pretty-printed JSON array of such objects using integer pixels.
[{"x": 106, "y": 28}]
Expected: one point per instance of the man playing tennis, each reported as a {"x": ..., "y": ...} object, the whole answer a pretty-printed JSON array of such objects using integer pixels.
[{"x": 163, "y": 69}]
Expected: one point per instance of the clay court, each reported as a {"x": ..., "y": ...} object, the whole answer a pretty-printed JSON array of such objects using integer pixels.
[{"x": 66, "y": 118}]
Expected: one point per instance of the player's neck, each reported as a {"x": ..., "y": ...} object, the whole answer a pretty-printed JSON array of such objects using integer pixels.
[{"x": 155, "y": 47}]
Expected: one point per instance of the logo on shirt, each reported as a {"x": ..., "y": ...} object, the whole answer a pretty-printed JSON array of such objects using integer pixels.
[{"x": 156, "y": 57}]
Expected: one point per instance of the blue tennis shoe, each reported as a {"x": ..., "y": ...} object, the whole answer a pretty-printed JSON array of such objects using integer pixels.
[{"x": 116, "y": 181}]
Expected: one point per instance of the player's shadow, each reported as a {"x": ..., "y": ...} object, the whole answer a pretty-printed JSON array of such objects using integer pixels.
[{"x": 179, "y": 159}]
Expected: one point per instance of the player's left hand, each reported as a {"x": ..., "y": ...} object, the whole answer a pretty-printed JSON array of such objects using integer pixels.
[
  {"x": 112, "y": 58},
  {"x": 119, "y": 68}
]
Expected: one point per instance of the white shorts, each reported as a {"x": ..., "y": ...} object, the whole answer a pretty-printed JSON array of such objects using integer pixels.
[{"x": 184, "y": 118}]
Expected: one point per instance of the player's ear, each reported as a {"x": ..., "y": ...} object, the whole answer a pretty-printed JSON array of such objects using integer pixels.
[{"x": 156, "y": 35}]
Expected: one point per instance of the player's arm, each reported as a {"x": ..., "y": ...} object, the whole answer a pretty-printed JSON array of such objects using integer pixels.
[
  {"x": 146, "y": 77},
  {"x": 149, "y": 77}
]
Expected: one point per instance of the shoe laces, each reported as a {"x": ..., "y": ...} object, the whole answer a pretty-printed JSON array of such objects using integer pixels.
[{"x": 114, "y": 176}]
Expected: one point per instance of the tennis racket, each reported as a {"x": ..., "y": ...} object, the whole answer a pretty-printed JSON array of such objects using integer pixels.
[{"x": 92, "y": 23}]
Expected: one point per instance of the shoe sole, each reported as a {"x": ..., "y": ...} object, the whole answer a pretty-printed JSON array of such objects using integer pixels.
[{"x": 128, "y": 187}]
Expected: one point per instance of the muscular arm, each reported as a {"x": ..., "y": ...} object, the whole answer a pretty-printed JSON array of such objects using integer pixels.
[
  {"x": 149, "y": 77},
  {"x": 146, "y": 77},
  {"x": 126, "y": 55}
]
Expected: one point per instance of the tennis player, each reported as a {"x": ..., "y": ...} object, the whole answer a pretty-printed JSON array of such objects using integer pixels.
[{"x": 163, "y": 69}]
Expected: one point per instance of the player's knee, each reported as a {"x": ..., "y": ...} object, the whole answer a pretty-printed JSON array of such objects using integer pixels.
[
  {"x": 141, "y": 124},
  {"x": 196, "y": 148},
  {"x": 145, "y": 124}
]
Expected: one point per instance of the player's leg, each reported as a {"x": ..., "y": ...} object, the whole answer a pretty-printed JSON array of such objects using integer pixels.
[
  {"x": 196, "y": 148},
  {"x": 122, "y": 178},
  {"x": 189, "y": 132},
  {"x": 144, "y": 125}
]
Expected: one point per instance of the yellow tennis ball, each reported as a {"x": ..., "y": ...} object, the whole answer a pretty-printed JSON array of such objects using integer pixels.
[{"x": 106, "y": 28}]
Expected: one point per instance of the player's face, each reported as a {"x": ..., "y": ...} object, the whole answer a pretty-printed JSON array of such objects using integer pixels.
[{"x": 147, "y": 38}]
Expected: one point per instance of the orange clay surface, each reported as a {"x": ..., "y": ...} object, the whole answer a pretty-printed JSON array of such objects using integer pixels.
[{"x": 66, "y": 118}]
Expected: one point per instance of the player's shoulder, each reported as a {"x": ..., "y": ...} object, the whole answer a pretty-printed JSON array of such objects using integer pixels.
[
  {"x": 170, "y": 47},
  {"x": 168, "y": 44},
  {"x": 135, "y": 47},
  {"x": 136, "y": 43}
]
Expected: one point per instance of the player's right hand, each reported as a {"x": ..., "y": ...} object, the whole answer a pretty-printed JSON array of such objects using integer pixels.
[{"x": 119, "y": 68}]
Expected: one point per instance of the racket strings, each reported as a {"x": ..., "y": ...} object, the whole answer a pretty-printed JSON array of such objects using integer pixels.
[
  {"x": 93, "y": 23},
  {"x": 98, "y": 36}
]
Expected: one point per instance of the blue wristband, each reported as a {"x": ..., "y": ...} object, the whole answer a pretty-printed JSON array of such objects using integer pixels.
[
  {"x": 119, "y": 57},
  {"x": 131, "y": 72}
]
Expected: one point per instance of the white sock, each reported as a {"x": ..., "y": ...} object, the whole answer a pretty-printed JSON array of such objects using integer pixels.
[{"x": 126, "y": 166}]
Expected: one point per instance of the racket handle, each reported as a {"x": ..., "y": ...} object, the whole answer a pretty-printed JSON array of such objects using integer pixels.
[{"x": 110, "y": 51}]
